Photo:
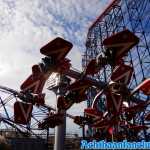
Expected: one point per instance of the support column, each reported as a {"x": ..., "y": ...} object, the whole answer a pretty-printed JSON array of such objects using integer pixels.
[{"x": 60, "y": 131}]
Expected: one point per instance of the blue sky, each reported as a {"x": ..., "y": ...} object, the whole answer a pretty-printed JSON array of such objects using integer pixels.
[{"x": 26, "y": 25}]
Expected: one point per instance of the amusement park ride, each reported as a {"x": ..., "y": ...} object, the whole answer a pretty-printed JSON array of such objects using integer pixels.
[{"x": 115, "y": 123}]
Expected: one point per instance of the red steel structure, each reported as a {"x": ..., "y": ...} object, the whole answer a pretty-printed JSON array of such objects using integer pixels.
[{"x": 118, "y": 16}]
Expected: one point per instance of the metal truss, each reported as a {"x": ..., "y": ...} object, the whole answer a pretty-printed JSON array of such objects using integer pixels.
[{"x": 123, "y": 14}]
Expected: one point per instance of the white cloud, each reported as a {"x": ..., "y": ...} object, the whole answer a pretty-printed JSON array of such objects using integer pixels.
[{"x": 27, "y": 25}]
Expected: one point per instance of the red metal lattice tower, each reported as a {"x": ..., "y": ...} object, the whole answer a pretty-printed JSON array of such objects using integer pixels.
[{"x": 119, "y": 15}]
